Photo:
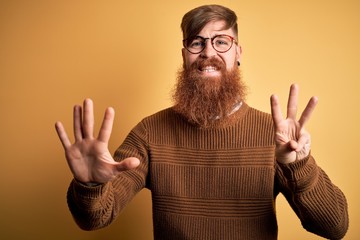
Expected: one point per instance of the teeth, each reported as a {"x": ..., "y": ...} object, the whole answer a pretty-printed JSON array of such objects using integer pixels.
[{"x": 208, "y": 69}]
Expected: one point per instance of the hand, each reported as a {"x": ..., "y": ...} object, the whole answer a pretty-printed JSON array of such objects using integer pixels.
[
  {"x": 89, "y": 158},
  {"x": 291, "y": 139}
]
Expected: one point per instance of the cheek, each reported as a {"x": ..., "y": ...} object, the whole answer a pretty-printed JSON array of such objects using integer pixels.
[
  {"x": 189, "y": 59},
  {"x": 230, "y": 62}
]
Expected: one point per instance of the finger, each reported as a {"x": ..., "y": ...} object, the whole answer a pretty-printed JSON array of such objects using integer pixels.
[
  {"x": 303, "y": 141},
  {"x": 88, "y": 121},
  {"x": 305, "y": 116},
  {"x": 62, "y": 135},
  {"x": 276, "y": 110},
  {"x": 128, "y": 164},
  {"x": 78, "y": 132},
  {"x": 292, "y": 101},
  {"x": 292, "y": 145},
  {"x": 106, "y": 127}
]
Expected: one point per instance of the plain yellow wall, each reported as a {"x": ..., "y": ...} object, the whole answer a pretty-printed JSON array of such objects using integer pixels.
[{"x": 53, "y": 54}]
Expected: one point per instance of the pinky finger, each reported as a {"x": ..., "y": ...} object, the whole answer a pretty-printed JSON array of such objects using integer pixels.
[
  {"x": 62, "y": 135},
  {"x": 275, "y": 110},
  {"x": 303, "y": 141}
]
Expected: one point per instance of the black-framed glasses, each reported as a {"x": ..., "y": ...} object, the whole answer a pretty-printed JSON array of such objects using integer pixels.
[{"x": 221, "y": 43}]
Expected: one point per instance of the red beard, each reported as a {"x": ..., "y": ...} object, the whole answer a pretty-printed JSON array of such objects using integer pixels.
[{"x": 208, "y": 101}]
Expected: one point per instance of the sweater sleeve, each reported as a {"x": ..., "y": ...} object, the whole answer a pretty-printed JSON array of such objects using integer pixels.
[
  {"x": 96, "y": 207},
  {"x": 320, "y": 205}
]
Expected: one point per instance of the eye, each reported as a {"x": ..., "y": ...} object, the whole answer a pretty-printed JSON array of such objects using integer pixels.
[
  {"x": 222, "y": 41},
  {"x": 196, "y": 43}
]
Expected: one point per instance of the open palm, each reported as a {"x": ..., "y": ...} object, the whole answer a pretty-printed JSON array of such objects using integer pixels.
[{"x": 88, "y": 157}]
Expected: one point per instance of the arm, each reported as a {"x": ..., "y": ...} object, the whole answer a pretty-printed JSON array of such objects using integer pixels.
[
  {"x": 319, "y": 204},
  {"x": 91, "y": 164},
  {"x": 97, "y": 207}
]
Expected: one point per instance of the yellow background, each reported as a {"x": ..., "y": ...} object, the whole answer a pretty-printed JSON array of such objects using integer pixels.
[{"x": 125, "y": 54}]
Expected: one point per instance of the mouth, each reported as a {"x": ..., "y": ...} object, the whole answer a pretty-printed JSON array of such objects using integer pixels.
[{"x": 208, "y": 69}]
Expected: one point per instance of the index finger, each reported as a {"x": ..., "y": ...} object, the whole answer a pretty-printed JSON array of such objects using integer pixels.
[
  {"x": 106, "y": 127},
  {"x": 276, "y": 110}
]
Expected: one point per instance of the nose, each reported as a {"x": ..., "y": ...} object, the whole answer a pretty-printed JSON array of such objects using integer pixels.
[{"x": 209, "y": 50}]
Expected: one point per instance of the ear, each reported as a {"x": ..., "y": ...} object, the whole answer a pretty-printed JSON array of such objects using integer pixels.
[
  {"x": 183, "y": 56},
  {"x": 238, "y": 53}
]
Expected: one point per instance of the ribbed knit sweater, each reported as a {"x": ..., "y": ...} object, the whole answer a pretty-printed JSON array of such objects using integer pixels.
[{"x": 217, "y": 183}]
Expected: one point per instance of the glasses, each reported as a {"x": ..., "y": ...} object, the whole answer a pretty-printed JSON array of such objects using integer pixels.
[{"x": 221, "y": 43}]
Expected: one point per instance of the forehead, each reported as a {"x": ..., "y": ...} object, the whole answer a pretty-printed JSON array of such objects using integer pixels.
[{"x": 215, "y": 27}]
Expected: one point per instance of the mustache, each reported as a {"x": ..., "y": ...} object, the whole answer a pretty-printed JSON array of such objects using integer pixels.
[{"x": 204, "y": 62}]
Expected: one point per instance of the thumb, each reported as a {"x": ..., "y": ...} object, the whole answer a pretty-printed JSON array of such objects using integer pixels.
[{"x": 128, "y": 164}]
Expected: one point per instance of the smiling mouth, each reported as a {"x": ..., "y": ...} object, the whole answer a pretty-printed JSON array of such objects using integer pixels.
[{"x": 208, "y": 69}]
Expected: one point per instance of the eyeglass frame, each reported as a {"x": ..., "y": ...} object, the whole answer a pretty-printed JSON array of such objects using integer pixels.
[{"x": 212, "y": 43}]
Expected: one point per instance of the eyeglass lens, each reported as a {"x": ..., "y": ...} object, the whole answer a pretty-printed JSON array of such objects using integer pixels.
[{"x": 221, "y": 43}]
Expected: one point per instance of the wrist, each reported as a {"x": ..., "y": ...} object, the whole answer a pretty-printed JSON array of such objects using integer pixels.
[{"x": 88, "y": 184}]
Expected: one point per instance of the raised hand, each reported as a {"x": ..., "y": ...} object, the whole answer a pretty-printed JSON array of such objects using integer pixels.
[
  {"x": 88, "y": 157},
  {"x": 291, "y": 139}
]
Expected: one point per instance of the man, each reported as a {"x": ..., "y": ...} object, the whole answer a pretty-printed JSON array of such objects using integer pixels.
[{"x": 214, "y": 165}]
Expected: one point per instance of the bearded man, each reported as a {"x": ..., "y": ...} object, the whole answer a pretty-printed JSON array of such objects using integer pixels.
[{"x": 213, "y": 164}]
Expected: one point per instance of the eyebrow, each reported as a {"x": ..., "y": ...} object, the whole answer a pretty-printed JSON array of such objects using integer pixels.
[
  {"x": 219, "y": 32},
  {"x": 216, "y": 35}
]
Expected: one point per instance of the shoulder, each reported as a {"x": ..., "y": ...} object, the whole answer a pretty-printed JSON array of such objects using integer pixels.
[
  {"x": 253, "y": 113},
  {"x": 257, "y": 124},
  {"x": 161, "y": 116},
  {"x": 165, "y": 118}
]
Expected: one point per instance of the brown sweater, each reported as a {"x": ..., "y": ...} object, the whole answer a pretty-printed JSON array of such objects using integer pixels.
[{"x": 213, "y": 184}]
